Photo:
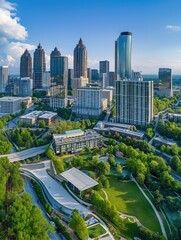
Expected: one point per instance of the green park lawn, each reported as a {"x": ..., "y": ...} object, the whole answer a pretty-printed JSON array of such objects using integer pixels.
[
  {"x": 128, "y": 199},
  {"x": 96, "y": 230}
]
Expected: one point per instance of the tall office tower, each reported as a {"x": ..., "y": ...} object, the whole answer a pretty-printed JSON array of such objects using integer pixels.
[
  {"x": 111, "y": 79},
  {"x": 26, "y": 87},
  {"x": 95, "y": 74},
  {"x": 89, "y": 74},
  {"x": 123, "y": 48},
  {"x": 39, "y": 67},
  {"x": 80, "y": 60},
  {"x": 134, "y": 102},
  {"x": 70, "y": 77},
  {"x": 59, "y": 74},
  {"x": 89, "y": 101},
  {"x": 46, "y": 83},
  {"x": 165, "y": 82},
  {"x": 26, "y": 65},
  {"x": 3, "y": 78},
  {"x": 104, "y": 73}
]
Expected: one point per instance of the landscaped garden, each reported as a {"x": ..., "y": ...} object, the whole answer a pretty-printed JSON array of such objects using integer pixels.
[
  {"x": 128, "y": 199},
  {"x": 96, "y": 231}
]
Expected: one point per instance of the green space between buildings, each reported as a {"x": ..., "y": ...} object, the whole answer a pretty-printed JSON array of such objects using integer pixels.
[
  {"x": 96, "y": 231},
  {"x": 128, "y": 199}
]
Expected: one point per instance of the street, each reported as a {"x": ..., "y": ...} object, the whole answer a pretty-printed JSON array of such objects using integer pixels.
[{"x": 29, "y": 189}]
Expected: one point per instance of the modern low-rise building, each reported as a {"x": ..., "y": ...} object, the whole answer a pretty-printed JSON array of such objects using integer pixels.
[
  {"x": 77, "y": 180},
  {"x": 76, "y": 140},
  {"x": 33, "y": 117},
  {"x": 175, "y": 117}
]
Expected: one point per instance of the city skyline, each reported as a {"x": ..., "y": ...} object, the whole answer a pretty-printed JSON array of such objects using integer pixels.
[{"x": 156, "y": 37}]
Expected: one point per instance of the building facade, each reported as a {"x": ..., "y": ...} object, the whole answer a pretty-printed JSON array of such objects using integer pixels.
[
  {"x": 39, "y": 67},
  {"x": 76, "y": 140},
  {"x": 134, "y": 102},
  {"x": 26, "y": 65},
  {"x": 26, "y": 87},
  {"x": 89, "y": 102},
  {"x": 123, "y": 49},
  {"x": 80, "y": 60},
  {"x": 165, "y": 82},
  {"x": 10, "y": 105},
  {"x": 3, "y": 78}
]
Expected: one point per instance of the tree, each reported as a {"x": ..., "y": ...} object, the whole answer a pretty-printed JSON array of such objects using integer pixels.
[
  {"x": 175, "y": 162},
  {"x": 158, "y": 197},
  {"x": 103, "y": 168},
  {"x": 104, "y": 181},
  {"x": 41, "y": 123},
  {"x": 140, "y": 178},
  {"x": 119, "y": 169},
  {"x": 78, "y": 225},
  {"x": 111, "y": 160}
]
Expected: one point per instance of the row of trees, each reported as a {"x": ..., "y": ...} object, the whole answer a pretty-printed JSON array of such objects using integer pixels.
[
  {"x": 19, "y": 219},
  {"x": 170, "y": 130},
  {"x": 27, "y": 138},
  {"x": 62, "y": 126},
  {"x": 5, "y": 145}
]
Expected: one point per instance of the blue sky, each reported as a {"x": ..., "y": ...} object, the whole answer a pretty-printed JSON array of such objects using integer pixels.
[{"x": 155, "y": 24}]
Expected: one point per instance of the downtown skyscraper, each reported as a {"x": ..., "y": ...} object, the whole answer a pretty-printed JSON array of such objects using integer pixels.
[
  {"x": 123, "y": 50},
  {"x": 134, "y": 97},
  {"x": 80, "y": 60},
  {"x": 39, "y": 67},
  {"x": 59, "y": 79},
  {"x": 26, "y": 65}
]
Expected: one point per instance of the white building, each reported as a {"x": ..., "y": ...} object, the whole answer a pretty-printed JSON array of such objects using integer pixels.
[
  {"x": 78, "y": 83},
  {"x": 3, "y": 78},
  {"x": 10, "y": 105},
  {"x": 57, "y": 102},
  {"x": 134, "y": 102},
  {"x": 89, "y": 101}
]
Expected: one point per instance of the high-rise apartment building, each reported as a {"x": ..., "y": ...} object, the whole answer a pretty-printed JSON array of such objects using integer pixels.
[
  {"x": 26, "y": 65},
  {"x": 39, "y": 67},
  {"x": 123, "y": 49},
  {"x": 3, "y": 78},
  {"x": 165, "y": 82},
  {"x": 89, "y": 101},
  {"x": 134, "y": 102},
  {"x": 80, "y": 60}
]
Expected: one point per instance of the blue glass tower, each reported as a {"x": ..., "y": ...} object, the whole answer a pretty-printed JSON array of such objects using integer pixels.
[{"x": 123, "y": 49}]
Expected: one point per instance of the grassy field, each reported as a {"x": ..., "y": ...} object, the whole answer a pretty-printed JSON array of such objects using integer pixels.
[
  {"x": 96, "y": 230},
  {"x": 128, "y": 199}
]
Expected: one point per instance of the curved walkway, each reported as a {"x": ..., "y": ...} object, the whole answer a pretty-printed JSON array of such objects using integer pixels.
[{"x": 154, "y": 208}]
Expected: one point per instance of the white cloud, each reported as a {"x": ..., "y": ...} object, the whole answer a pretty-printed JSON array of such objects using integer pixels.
[
  {"x": 70, "y": 60},
  {"x": 12, "y": 33},
  {"x": 173, "y": 28}
]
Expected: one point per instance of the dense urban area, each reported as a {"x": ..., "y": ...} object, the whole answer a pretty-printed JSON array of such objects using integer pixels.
[{"x": 89, "y": 153}]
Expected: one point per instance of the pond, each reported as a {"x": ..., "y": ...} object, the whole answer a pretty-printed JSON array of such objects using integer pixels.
[
  {"x": 120, "y": 160},
  {"x": 125, "y": 172}
]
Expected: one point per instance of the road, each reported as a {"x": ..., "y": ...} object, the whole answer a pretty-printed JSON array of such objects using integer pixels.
[
  {"x": 18, "y": 156},
  {"x": 29, "y": 189}
]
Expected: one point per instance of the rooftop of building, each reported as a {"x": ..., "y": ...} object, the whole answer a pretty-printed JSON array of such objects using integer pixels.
[
  {"x": 10, "y": 99},
  {"x": 79, "y": 179},
  {"x": 74, "y": 136},
  {"x": 175, "y": 114},
  {"x": 39, "y": 114}
]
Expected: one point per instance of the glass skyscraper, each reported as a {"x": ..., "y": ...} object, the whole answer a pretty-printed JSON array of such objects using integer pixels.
[
  {"x": 39, "y": 67},
  {"x": 80, "y": 60},
  {"x": 26, "y": 65},
  {"x": 59, "y": 74},
  {"x": 123, "y": 49},
  {"x": 165, "y": 82}
]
